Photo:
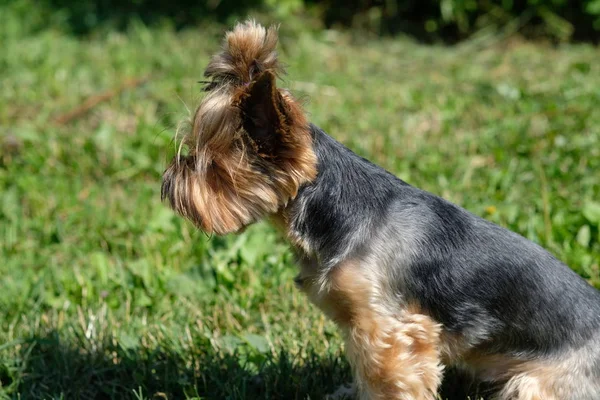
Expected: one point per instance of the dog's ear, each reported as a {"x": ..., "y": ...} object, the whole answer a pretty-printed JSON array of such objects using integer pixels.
[{"x": 265, "y": 115}]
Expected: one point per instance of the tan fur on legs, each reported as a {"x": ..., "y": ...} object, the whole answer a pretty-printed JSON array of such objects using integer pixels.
[
  {"x": 395, "y": 358},
  {"x": 562, "y": 377},
  {"x": 394, "y": 354},
  {"x": 527, "y": 387}
]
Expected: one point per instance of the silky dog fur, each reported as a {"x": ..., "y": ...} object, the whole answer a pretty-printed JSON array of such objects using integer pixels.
[{"x": 414, "y": 282}]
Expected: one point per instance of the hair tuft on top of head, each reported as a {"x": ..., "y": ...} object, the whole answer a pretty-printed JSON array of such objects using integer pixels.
[{"x": 248, "y": 50}]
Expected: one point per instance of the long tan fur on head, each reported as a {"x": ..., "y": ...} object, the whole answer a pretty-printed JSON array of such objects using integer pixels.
[{"x": 249, "y": 149}]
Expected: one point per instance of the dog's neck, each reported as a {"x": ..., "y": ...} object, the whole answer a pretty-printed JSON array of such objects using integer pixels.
[{"x": 330, "y": 217}]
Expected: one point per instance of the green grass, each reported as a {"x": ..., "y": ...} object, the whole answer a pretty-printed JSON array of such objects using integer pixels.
[{"x": 105, "y": 293}]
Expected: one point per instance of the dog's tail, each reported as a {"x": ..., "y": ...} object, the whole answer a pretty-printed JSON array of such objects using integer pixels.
[{"x": 248, "y": 50}]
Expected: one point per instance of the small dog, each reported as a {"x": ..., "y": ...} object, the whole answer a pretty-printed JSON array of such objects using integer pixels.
[{"x": 414, "y": 282}]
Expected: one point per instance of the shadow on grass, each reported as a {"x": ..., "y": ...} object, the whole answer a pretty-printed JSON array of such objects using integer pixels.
[{"x": 52, "y": 369}]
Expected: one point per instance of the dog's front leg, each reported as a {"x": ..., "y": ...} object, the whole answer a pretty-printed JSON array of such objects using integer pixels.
[
  {"x": 393, "y": 350},
  {"x": 394, "y": 357}
]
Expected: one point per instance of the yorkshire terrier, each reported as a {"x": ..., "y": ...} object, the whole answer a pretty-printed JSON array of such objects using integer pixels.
[{"x": 414, "y": 282}]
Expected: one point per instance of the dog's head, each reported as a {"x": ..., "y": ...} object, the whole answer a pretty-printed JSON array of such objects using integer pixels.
[{"x": 249, "y": 148}]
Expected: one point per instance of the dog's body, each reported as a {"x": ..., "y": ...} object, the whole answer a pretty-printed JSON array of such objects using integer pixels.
[
  {"x": 494, "y": 302},
  {"x": 414, "y": 282}
]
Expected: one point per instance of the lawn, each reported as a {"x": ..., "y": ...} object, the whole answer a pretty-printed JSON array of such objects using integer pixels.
[{"x": 105, "y": 293}]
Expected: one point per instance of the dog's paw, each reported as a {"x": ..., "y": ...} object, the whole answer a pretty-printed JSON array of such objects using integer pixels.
[{"x": 344, "y": 392}]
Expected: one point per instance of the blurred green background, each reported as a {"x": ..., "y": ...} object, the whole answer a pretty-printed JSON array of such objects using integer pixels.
[
  {"x": 105, "y": 293},
  {"x": 429, "y": 20}
]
